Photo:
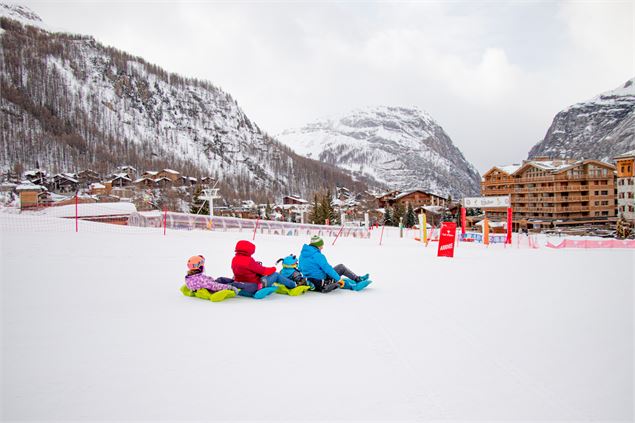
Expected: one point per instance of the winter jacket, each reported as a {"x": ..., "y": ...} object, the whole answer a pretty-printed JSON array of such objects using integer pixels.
[
  {"x": 313, "y": 264},
  {"x": 199, "y": 280},
  {"x": 245, "y": 268}
]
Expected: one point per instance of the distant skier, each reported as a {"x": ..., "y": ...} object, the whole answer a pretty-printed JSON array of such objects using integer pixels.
[
  {"x": 250, "y": 275},
  {"x": 320, "y": 273}
]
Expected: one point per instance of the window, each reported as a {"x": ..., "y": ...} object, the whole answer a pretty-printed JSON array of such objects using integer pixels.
[
  {"x": 630, "y": 194},
  {"x": 631, "y": 208},
  {"x": 621, "y": 195},
  {"x": 605, "y": 213},
  {"x": 605, "y": 193}
]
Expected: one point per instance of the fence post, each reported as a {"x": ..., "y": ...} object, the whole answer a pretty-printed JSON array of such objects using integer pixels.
[
  {"x": 76, "y": 212},
  {"x": 256, "y": 228},
  {"x": 338, "y": 234},
  {"x": 381, "y": 237},
  {"x": 165, "y": 220}
]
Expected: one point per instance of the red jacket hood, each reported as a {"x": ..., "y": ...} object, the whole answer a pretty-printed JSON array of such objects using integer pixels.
[{"x": 245, "y": 248}]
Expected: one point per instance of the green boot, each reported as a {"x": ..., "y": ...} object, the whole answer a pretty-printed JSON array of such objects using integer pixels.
[{"x": 186, "y": 291}]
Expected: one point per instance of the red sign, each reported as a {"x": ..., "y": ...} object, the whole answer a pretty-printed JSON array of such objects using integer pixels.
[{"x": 446, "y": 239}]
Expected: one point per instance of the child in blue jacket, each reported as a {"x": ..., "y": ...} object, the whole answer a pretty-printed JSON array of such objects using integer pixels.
[{"x": 319, "y": 272}]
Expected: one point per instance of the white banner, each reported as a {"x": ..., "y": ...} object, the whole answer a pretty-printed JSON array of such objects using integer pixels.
[{"x": 485, "y": 202}]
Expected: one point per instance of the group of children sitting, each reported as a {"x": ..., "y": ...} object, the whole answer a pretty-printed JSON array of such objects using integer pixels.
[{"x": 311, "y": 270}]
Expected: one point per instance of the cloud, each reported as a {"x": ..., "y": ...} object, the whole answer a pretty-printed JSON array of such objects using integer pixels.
[{"x": 492, "y": 74}]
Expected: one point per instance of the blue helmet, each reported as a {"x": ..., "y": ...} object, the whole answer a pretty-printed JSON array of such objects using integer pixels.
[{"x": 289, "y": 261}]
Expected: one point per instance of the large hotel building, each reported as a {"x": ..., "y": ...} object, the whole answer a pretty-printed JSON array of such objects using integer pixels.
[{"x": 548, "y": 192}]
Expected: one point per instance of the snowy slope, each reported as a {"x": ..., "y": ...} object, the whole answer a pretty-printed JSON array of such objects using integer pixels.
[
  {"x": 95, "y": 329},
  {"x": 72, "y": 103},
  {"x": 600, "y": 128},
  {"x": 402, "y": 147}
]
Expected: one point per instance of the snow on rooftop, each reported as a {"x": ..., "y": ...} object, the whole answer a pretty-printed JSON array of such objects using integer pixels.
[
  {"x": 626, "y": 154},
  {"x": 171, "y": 171},
  {"x": 28, "y": 186}
]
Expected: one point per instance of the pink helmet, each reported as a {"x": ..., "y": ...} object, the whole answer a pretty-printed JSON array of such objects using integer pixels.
[{"x": 196, "y": 262}]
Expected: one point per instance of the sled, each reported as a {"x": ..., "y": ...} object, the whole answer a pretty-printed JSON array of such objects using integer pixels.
[{"x": 204, "y": 294}]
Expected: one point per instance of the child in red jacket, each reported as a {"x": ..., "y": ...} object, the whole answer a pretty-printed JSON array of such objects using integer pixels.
[{"x": 250, "y": 275}]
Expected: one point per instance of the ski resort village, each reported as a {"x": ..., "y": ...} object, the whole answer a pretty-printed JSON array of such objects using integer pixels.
[{"x": 390, "y": 227}]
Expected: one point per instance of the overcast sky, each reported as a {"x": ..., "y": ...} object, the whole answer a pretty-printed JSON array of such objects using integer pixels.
[{"x": 492, "y": 74}]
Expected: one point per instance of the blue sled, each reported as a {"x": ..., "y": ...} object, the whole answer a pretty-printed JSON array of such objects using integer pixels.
[
  {"x": 260, "y": 294},
  {"x": 356, "y": 286}
]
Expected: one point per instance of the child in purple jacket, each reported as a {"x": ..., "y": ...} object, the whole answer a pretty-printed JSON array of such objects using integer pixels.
[{"x": 203, "y": 286}]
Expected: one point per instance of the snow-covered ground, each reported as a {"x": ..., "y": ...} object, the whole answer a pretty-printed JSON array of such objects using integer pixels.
[{"x": 94, "y": 328}]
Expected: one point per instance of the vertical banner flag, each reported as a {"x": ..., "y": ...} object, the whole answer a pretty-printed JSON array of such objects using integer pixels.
[
  {"x": 425, "y": 230},
  {"x": 463, "y": 213},
  {"x": 447, "y": 236},
  {"x": 421, "y": 227},
  {"x": 509, "y": 226},
  {"x": 486, "y": 231}
]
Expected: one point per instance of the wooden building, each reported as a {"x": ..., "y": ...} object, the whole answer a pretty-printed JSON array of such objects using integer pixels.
[
  {"x": 625, "y": 164},
  {"x": 64, "y": 182},
  {"x": 416, "y": 198},
  {"x": 554, "y": 192},
  {"x": 87, "y": 177},
  {"x": 293, "y": 199},
  {"x": 170, "y": 174}
]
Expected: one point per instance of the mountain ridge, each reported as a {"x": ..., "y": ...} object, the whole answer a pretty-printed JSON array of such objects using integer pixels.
[
  {"x": 71, "y": 102},
  {"x": 403, "y": 147},
  {"x": 599, "y": 128}
]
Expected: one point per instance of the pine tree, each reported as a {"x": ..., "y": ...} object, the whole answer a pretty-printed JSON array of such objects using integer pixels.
[
  {"x": 398, "y": 213},
  {"x": 268, "y": 211},
  {"x": 410, "y": 219},
  {"x": 315, "y": 215},
  {"x": 327, "y": 208},
  {"x": 388, "y": 220},
  {"x": 198, "y": 205}
]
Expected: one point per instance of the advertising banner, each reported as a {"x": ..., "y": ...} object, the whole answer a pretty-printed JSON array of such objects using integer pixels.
[
  {"x": 447, "y": 236},
  {"x": 484, "y": 202}
]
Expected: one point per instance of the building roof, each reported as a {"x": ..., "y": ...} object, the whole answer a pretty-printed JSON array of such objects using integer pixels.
[
  {"x": 171, "y": 171},
  {"x": 405, "y": 193},
  {"x": 627, "y": 155},
  {"x": 28, "y": 186}
]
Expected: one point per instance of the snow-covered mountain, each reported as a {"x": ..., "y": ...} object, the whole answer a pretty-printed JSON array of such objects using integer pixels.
[
  {"x": 600, "y": 128},
  {"x": 402, "y": 147},
  {"x": 68, "y": 102}
]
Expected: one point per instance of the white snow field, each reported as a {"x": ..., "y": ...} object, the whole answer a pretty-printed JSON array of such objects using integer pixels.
[{"x": 95, "y": 328}]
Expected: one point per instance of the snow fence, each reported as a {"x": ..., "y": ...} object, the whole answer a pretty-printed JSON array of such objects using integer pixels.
[
  {"x": 186, "y": 221},
  {"x": 588, "y": 243}
]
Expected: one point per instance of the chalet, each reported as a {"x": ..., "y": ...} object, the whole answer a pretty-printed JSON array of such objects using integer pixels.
[
  {"x": 145, "y": 182},
  {"x": 149, "y": 174},
  {"x": 207, "y": 180},
  {"x": 37, "y": 177},
  {"x": 32, "y": 195},
  {"x": 97, "y": 188},
  {"x": 562, "y": 192},
  {"x": 163, "y": 182},
  {"x": 129, "y": 171},
  {"x": 416, "y": 197},
  {"x": 187, "y": 180},
  {"x": 293, "y": 199},
  {"x": 87, "y": 177},
  {"x": 65, "y": 182},
  {"x": 170, "y": 174},
  {"x": 121, "y": 180}
]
